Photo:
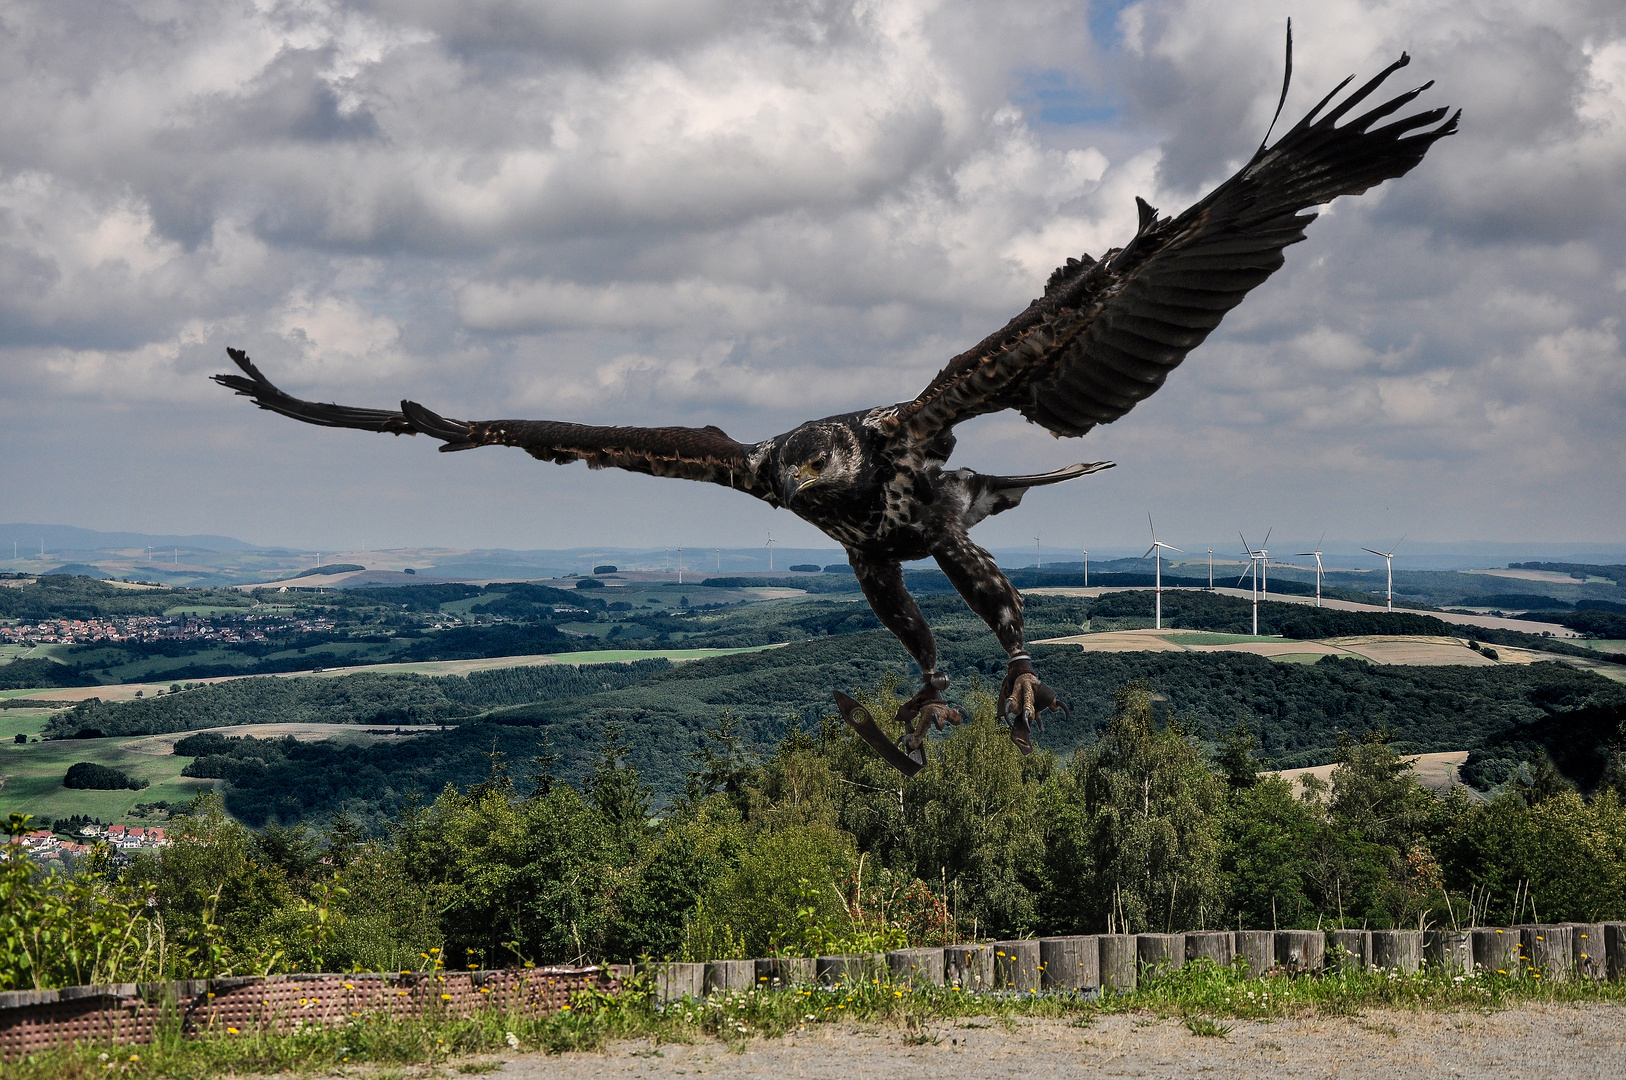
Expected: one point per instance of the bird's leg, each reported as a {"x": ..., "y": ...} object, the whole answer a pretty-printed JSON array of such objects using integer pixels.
[
  {"x": 882, "y": 582},
  {"x": 977, "y": 578}
]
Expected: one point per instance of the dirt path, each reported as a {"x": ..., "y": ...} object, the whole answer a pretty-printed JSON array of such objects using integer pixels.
[{"x": 1571, "y": 1042}]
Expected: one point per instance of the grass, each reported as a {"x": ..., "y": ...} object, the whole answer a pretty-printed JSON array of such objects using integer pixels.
[
  {"x": 33, "y": 777},
  {"x": 1201, "y": 995}
]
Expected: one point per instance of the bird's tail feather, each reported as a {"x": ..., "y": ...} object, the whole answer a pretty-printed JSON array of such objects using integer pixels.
[{"x": 1005, "y": 483}]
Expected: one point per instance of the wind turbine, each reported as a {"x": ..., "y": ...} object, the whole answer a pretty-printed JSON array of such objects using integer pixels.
[
  {"x": 769, "y": 546},
  {"x": 1210, "y": 569},
  {"x": 1086, "y": 568},
  {"x": 1038, "y": 556},
  {"x": 680, "y": 566},
  {"x": 1317, "y": 553},
  {"x": 1388, "y": 558},
  {"x": 1157, "y": 546},
  {"x": 1253, "y": 568}
]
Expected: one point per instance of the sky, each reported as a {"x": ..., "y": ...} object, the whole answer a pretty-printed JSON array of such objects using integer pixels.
[{"x": 753, "y": 212}]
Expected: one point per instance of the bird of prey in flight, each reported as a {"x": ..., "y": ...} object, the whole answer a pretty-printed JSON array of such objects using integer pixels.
[{"x": 1104, "y": 336}]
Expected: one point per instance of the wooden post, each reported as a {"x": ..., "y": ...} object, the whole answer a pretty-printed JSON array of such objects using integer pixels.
[
  {"x": 1496, "y": 950},
  {"x": 1397, "y": 950},
  {"x": 1016, "y": 965},
  {"x": 1590, "y": 956},
  {"x": 674, "y": 981},
  {"x": 783, "y": 972},
  {"x": 725, "y": 976},
  {"x": 916, "y": 967},
  {"x": 1160, "y": 954},
  {"x": 1258, "y": 947},
  {"x": 1069, "y": 963},
  {"x": 1614, "y": 943},
  {"x": 970, "y": 967},
  {"x": 1352, "y": 949},
  {"x": 1452, "y": 951},
  {"x": 1301, "y": 952},
  {"x": 849, "y": 967},
  {"x": 1549, "y": 951},
  {"x": 1218, "y": 946},
  {"x": 1118, "y": 960}
]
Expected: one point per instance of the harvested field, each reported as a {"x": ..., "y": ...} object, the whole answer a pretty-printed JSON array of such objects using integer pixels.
[
  {"x": 357, "y": 734},
  {"x": 1380, "y": 649},
  {"x": 1437, "y": 772},
  {"x": 1430, "y": 651},
  {"x": 1579, "y": 1042},
  {"x": 128, "y": 691}
]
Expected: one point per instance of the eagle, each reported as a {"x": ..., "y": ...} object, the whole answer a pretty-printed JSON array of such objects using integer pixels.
[{"x": 1104, "y": 336}]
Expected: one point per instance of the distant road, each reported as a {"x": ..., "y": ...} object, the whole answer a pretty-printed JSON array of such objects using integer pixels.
[{"x": 1489, "y": 622}]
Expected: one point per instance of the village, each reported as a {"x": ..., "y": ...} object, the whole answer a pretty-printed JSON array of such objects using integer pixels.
[
  {"x": 46, "y": 844},
  {"x": 145, "y": 628}
]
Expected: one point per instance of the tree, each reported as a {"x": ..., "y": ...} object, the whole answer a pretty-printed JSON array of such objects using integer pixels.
[
  {"x": 616, "y": 790},
  {"x": 726, "y": 765},
  {"x": 1137, "y": 849},
  {"x": 1236, "y": 759}
]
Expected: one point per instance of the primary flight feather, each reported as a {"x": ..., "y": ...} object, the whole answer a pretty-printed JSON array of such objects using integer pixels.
[{"x": 1103, "y": 337}]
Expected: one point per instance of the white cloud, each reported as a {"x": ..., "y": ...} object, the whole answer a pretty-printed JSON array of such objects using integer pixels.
[{"x": 750, "y": 213}]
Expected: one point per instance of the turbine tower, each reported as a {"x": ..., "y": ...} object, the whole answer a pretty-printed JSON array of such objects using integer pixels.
[
  {"x": 1253, "y": 568},
  {"x": 1317, "y": 553},
  {"x": 769, "y": 546},
  {"x": 1086, "y": 568},
  {"x": 1157, "y": 546},
  {"x": 1038, "y": 556},
  {"x": 1388, "y": 558}
]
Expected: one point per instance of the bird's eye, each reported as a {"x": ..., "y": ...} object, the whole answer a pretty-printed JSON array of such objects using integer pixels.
[{"x": 817, "y": 464}]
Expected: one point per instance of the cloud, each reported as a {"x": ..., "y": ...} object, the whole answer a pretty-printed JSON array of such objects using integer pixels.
[{"x": 746, "y": 214}]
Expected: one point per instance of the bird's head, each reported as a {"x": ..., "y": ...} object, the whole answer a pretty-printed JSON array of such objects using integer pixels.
[{"x": 817, "y": 457}]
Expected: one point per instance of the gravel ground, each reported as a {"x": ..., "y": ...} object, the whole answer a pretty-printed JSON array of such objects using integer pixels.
[{"x": 1568, "y": 1042}]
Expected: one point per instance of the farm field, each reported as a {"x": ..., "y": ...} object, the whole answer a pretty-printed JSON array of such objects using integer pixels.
[
  {"x": 1489, "y": 622},
  {"x": 1380, "y": 648},
  {"x": 1437, "y": 772},
  {"x": 31, "y": 776}
]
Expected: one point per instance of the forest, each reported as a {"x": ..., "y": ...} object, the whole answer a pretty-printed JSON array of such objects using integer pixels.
[{"x": 814, "y": 846}]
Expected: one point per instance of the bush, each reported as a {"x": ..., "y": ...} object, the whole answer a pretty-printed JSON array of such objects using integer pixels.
[
  {"x": 607, "y": 568},
  {"x": 805, "y": 568},
  {"x": 88, "y": 776},
  {"x": 590, "y": 583}
]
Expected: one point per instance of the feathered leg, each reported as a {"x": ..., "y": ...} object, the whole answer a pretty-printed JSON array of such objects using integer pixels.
[
  {"x": 977, "y": 578},
  {"x": 882, "y": 582}
]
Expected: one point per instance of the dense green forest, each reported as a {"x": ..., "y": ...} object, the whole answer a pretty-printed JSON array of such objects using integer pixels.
[
  {"x": 361, "y": 698},
  {"x": 1299, "y": 712},
  {"x": 814, "y": 846}
]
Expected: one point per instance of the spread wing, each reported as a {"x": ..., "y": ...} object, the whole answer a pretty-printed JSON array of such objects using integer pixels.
[
  {"x": 1106, "y": 334},
  {"x": 689, "y": 453}
]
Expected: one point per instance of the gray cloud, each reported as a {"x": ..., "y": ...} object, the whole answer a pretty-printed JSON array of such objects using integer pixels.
[{"x": 749, "y": 213}]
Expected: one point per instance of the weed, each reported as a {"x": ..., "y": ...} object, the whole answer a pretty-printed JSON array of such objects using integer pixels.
[
  {"x": 478, "y": 1068},
  {"x": 1208, "y": 1029}
]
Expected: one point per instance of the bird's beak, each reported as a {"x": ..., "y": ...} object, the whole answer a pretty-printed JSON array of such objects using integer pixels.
[{"x": 796, "y": 479}]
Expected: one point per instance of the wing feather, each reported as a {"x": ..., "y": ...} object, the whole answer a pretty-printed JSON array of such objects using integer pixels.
[
  {"x": 1106, "y": 334},
  {"x": 705, "y": 454}
]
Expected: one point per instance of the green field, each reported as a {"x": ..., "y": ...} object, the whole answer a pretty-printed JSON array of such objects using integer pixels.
[
  {"x": 32, "y": 774},
  {"x": 1601, "y": 644}
]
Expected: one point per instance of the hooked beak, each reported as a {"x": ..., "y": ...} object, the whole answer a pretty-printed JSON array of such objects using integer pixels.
[{"x": 794, "y": 480}]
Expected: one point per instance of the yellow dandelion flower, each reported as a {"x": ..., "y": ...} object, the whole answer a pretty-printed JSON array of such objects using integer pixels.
[
  {"x": 231, "y": 1031},
  {"x": 445, "y": 997}
]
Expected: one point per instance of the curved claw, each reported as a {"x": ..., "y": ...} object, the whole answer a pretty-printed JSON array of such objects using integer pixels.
[{"x": 1022, "y": 698}]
